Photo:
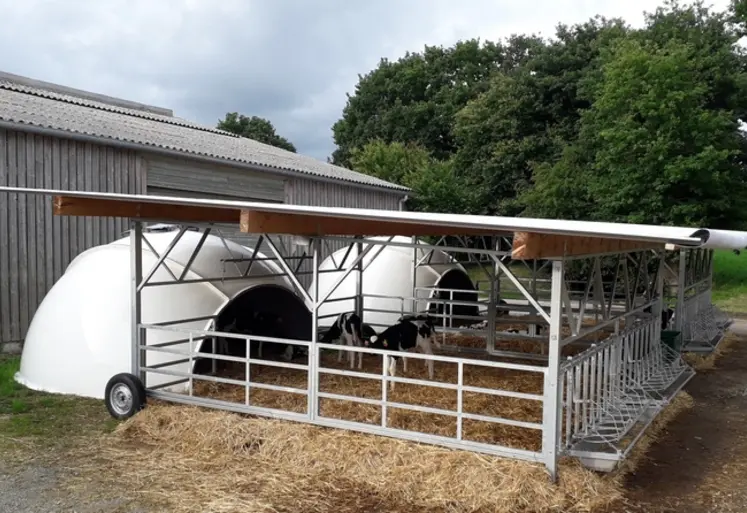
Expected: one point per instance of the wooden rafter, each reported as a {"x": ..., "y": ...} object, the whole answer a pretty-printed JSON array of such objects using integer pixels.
[
  {"x": 536, "y": 246},
  {"x": 254, "y": 221},
  {"x": 104, "y": 207}
]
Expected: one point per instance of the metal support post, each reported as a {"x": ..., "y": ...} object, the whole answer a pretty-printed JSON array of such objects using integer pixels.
[
  {"x": 136, "y": 272},
  {"x": 359, "y": 281},
  {"x": 414, "y": 276},
  {"x": 533, "y": 327},
  {"x": 493, "y": 301},
  {"x": 552, "y": 388},
  {"x": 659, "y": 288},
  {"x": 313, "y": 376},
  {"x": 681, "y": 283}
]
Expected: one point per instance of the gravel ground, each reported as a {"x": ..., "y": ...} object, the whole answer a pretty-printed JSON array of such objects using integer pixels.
[{"x": 33, "y": 488}]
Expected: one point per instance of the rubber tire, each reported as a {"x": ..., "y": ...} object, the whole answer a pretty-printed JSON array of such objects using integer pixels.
[{"x": 137, "y": 389}]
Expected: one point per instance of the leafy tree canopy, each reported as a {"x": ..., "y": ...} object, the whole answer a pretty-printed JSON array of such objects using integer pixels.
[
  {"x": 256, "y": 128},
  {"x": 415, "y": 98},
  {"x": 436, "y": 186},
  {"x": 601, "y": 122}
]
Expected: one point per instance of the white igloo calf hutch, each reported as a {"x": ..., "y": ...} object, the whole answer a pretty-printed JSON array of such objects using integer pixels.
[
  {"x": 387, "y": 284},
  {"x": 81, "y": 334}
]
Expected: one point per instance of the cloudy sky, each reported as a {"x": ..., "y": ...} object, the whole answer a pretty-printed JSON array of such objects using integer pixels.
[{"x": 291, "y": 61}]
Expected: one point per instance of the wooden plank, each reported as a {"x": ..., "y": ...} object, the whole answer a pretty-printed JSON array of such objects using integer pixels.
[
  {"x": 253, "y": 221},
  {"x": 14, "y": 237},
  {"x": 5, "y": 249},
  {"x": 533, "y": 246},
  {"x": 23, "y": 232},
  {"x": 71, "y": 206}
]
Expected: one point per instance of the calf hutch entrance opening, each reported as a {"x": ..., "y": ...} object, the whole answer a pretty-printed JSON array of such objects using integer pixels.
[
  {"x": 266, "y": 311},
  {"x": 575, "y": 368}
]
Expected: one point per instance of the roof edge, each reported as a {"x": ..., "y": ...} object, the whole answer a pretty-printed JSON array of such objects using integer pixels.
[
  {"x": 721, "y": 238},
  {"x": 82, "y": 94},
  {"x": 136, "y": 146},
  {"x": 711, "y": 239}
]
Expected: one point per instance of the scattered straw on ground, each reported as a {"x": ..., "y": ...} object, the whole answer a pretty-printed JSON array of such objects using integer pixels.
[
  {"x": 446, "y": 399},
  {"x": 188, "y": 459},
  {"x": 197, "y": 459},
  {"x": 445, "y": 425},
  {"x": 701, "y": 362}
]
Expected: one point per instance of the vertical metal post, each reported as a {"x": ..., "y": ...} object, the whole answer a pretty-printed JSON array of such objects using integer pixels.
[
  {"x": 313, "y": 361},
  {"x": 552, "y": 391},
  {"x": 493, "y": 300},
  {"x": 414, "y": 275},
  {"x": 136, "y": 271},
  {"x": 681, "y": 283},
  {"x": 659, "y": 287},
  {"x": 710, "y": 276},
  {"x": 359, "y": 281},
  {"x": 533, "y": 327}
]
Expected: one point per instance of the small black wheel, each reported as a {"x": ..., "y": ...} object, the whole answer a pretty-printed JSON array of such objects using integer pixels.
[{"x": 124, "y": 395}]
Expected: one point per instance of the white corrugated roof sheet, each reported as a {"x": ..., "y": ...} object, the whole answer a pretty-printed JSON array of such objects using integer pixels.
[{"x": 680, "y": 236}]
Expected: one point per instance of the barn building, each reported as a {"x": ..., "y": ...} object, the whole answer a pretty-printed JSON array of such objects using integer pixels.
[{"x": 56, "y": 137}]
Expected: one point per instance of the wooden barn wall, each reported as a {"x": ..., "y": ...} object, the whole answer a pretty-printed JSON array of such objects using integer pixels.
[
  {"x": 184, "y": 178},
  {"x": 37, "y": 246},
  {"x": 318, "y": 193}
]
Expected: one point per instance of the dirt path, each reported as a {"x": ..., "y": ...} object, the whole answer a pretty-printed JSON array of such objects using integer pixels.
[{"x": 701, "y": 464}]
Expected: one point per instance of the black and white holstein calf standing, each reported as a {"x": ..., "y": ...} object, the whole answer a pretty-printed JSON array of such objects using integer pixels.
[
  {"x": 667, "y": 315},
  {"x": 420, "y": 320},
  {"x": 407, "y": 333},
  {"x": 348, "y": 330}
]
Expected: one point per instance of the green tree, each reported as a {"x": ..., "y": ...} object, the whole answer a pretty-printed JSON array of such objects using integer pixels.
[
  {"x": 393, "y": 162},
  {"x": 526, "y": 116},
  {"x": 256, "y": 128},
  {"x": 436, "y": 187},
  {"x": 414, "y": 99},
  {"x": 651, "y": 149}
]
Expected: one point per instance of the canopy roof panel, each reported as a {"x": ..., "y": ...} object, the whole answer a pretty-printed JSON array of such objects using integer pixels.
[{"x": 322, "y": 220}]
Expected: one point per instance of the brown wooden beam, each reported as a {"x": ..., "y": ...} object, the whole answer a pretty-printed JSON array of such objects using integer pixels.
[
  {"x": 533, "y": 246},
  {"x": 103, "y": 207},
  {"x": 253, "y": 221}
]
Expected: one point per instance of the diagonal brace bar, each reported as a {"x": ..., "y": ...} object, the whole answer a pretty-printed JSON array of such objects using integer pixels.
[
  {"x": 287, "y": 269},
  {"x": 161, "y": 258},
  {"x": 347, "y": 272},
  {"x": 521, "y": 288}
]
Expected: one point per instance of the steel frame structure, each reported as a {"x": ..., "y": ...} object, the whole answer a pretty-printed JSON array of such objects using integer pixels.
[
  {"x": 701, "y": 323},
  {"x": 617, "y": 384},
  {"x": 595, "y": 404}
]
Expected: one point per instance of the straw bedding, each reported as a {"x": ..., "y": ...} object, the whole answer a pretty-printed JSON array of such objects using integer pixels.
[
  {"x": 515, "y": 409},
  {"x": 474, "y": 375},
  {"x": 185, "y": 459}
]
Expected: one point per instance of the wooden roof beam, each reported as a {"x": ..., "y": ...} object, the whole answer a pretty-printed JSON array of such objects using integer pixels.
[
  {"x": 256, "y": 221},
  {"x": 105, "y": 207},
  {"x": 537, "y": 246}
]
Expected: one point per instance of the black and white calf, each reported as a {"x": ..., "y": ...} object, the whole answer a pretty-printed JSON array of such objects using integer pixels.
[
  {"x": 348, "y": 330},
  {"x": 667, "y": 316},
  {"x": 402, "y": 336},
  {"x": 420, "y": 319}
]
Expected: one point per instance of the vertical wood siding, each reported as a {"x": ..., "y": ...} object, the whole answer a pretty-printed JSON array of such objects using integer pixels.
[
  {"x": 35, "y": 246},
  {"x": 316, "y": 193}
]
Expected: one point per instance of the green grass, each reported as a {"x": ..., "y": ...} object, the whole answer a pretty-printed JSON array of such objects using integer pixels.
[
  {"x": 508, "y": 289},
  {"x": 730, "y": 281},
  {"x": 29, "y": 417}
]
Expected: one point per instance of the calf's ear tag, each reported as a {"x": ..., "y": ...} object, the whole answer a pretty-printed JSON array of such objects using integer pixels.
[{"x": 386, "y": 344}]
